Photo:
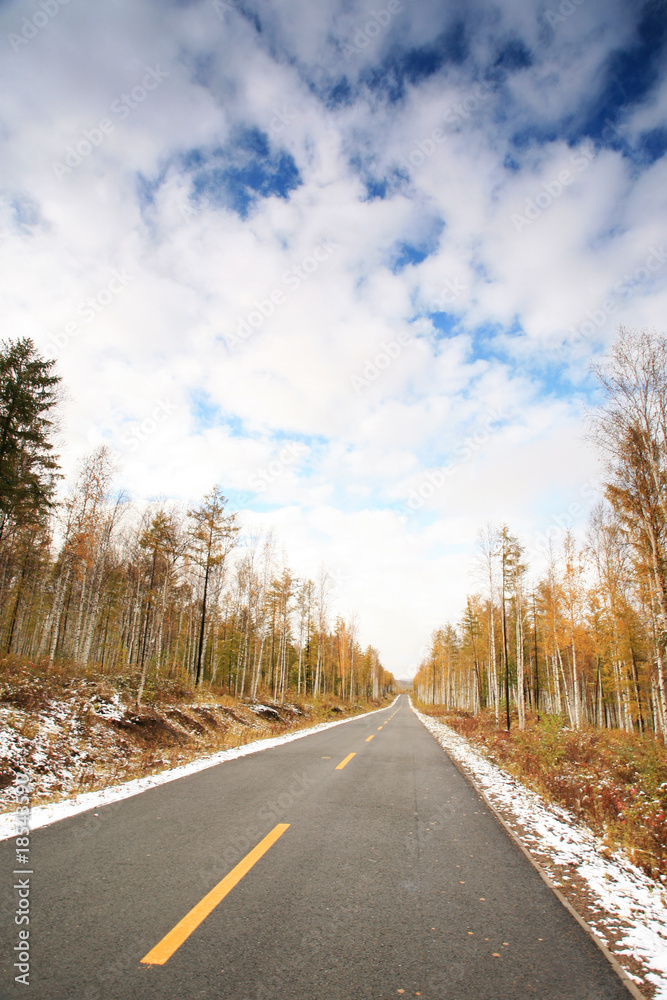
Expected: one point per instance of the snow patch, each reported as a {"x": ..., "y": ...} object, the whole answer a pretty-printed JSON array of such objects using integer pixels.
[{"x": 110, "y": 708}]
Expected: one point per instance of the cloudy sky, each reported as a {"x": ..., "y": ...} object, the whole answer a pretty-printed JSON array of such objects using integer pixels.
[{"x": 349, "y": 259}]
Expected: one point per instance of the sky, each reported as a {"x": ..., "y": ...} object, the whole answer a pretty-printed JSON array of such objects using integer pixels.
[{"x": 350, "y": 260}]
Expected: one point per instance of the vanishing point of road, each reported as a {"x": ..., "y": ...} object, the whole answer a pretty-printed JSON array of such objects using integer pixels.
[{"x": 354, "y": 862}]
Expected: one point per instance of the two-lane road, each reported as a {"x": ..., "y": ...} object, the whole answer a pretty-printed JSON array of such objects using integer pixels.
[{"x": 383, "y": 874}]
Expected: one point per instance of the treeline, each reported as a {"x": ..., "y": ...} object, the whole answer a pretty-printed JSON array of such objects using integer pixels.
[
  {"x": 585, "y": 640},
  {"x": 92, "y": 580}
]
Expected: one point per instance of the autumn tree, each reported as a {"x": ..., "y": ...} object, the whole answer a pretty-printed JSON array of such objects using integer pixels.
[
  {"x": 487, "y": 546},
  {"x": 631, "y": 429},
  {"x": 212, "y": 536},
  {"x": 472, "y": 628},
  {"x": 160, "y": 540},
  {"x": 511, "y": 572}
]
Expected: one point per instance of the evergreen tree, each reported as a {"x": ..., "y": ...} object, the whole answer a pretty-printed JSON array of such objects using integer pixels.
[{"x": 28, "y": 467}]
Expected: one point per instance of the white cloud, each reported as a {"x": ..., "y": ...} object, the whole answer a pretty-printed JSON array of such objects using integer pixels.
[{"x": 197, "y": 271}]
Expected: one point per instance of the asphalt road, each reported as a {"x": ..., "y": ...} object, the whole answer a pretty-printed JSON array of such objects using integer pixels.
[{"x": 391, "y": 879}]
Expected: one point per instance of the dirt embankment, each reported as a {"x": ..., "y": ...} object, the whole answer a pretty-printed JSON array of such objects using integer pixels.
[{"x": 73, "y": 734}]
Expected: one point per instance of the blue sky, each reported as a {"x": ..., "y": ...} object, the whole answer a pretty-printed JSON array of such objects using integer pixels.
[{"x": 352, "y": 260}]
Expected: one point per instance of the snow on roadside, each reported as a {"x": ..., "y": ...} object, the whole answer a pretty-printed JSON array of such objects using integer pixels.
[
  {"x": 632, "y": 908},
  {"x": 51, "y": 813}
]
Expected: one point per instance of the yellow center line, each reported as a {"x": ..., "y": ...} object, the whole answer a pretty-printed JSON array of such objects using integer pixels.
[
  {"x": 172, "y": 941},
  {"x": 339, "y": 767},
  {"x": 369, "y": 738},
  {"x": 379, "y": 728}
]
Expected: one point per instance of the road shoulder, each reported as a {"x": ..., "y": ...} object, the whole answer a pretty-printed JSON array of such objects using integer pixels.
[{"x": 617, "y": 905}]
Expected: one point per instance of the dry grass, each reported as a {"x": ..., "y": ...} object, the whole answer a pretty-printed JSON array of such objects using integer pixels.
[{"x": 613, "y": 781}]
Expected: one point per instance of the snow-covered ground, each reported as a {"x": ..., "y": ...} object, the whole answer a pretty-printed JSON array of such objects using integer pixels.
[
  {"x": 630, "y": 909},
  {"x": 46, "y": 814}
]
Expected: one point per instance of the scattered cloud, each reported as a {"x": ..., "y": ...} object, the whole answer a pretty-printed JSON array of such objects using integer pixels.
[{"x": 481, "y": 189}]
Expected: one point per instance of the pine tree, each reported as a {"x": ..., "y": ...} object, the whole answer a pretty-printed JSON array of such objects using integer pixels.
[{"x": 28, "y": 467}]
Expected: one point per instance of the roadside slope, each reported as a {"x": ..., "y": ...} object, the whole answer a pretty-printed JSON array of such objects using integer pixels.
[{"x": 69, "y": 734}]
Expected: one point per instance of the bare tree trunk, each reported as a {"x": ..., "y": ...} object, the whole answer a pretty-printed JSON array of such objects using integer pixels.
[
  {"x": 198, "y": 676},
  {"x": 505, "y": 657},
  {"x": 520, "y": 698}
]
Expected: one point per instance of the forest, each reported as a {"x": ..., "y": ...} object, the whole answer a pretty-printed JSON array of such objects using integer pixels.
[
  {"x": 584, "y": 639},
  {"x": 87, "y": 577}
]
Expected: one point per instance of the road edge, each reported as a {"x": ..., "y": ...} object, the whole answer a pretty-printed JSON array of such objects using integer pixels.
[
  {"x": 54, "y": 812},
  {"x": 632, "y": 988}
]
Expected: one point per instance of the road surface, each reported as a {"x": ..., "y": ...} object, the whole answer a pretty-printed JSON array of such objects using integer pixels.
[{"x": 323, "y": 876}]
